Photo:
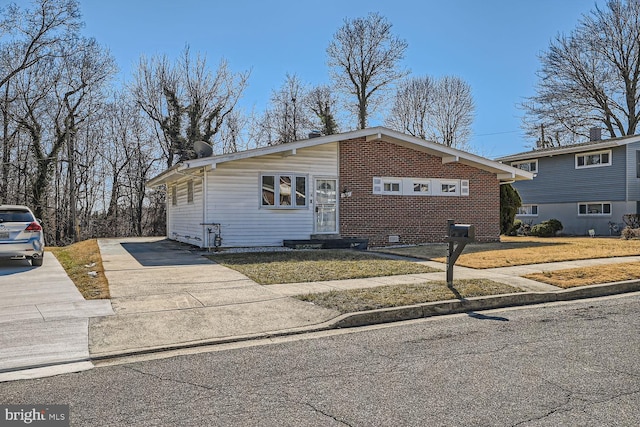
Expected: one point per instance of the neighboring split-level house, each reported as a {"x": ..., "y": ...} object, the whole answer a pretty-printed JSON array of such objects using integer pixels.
[
  {"x": 375, "y": 184},
  {"x": 588, "y": 186}
]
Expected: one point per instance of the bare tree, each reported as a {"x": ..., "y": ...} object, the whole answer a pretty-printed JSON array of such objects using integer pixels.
[
  {"x": 453, "y": 110},
  {"x": 440, "y": 110},
  {"x": 186, "y": 101},
  {"x": 322, "y": 102},
  {"x": 412, "y": 107},
  {"x": 364, "y": 59},
  {"x": 589, "y": 78},
  {"x": 287, "y": 117},
  {"x": 33, "y": 35}
]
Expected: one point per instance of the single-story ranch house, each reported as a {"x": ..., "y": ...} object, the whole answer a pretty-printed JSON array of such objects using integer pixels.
[{"x": 375, "y": 184}]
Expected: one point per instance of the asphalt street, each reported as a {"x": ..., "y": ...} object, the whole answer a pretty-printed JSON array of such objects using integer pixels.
[{"x": 558, "y": 364}]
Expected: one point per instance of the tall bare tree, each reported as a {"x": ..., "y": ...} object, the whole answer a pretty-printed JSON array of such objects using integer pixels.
[
  {"x": 186, "y": 101},
  {"x": 412, "y": 106},
  {"x": 323, "y": 103},
  {"x": 589, "y": 78},
  {"x": 453, "y": 109},
  {"x": 364, "y": 58},
  {"x": 31, "y": 35},
  {"x": 440, "y": 110},
  {"x": 287, "y": 118}
]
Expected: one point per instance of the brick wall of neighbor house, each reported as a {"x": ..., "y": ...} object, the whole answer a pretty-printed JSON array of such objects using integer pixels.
[{"x": 415, "y": 219}]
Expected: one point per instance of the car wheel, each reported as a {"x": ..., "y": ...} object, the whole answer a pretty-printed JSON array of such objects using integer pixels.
[{"x": 37, "y": 262}]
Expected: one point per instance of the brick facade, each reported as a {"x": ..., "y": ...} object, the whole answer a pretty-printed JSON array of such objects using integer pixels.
[{"x": 415, "y": 219}]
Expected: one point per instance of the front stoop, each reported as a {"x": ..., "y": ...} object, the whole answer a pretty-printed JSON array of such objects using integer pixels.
[{"x": 328, "y": 243}]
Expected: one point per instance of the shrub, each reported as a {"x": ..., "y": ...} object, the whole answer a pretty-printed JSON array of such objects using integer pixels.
[
  {"x": 547, "y": 228},
  {"x": 630, "y": 233},
  {"x": 631, "y": 220}
]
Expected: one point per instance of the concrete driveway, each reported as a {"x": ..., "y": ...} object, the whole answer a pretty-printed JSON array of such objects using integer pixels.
[
  {"x": 43, "y": 320},
  {"x": 166, "y": 296}
]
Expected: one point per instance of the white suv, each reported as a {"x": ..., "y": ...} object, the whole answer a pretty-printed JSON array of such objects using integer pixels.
[{"x": 21, "y": 235}]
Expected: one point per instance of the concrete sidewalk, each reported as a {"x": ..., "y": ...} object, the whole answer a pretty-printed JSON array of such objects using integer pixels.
[
  {"x": 44, "y": 320},
  {"x": 167, "y": 297}
]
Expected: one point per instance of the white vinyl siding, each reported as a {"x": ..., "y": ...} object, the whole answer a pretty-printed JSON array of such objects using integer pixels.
[
  {"x": 185, "y": 217},
  {"x": 234, "y": 196}
]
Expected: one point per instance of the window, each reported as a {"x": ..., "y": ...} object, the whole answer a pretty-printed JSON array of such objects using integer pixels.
[
  {"x": 174, "y": 196},
  {"x": 529, "y": 166},
  {"x": 637, "y": 163},
  {"x": 391, "y": 186},
  {"x": 283, "y": 191},
  {"x": 449, "y": 188},
  {"x": 593, "y": 160},
  {"x": 421, "y": 187},
  {"x": 594, "y": 208},
  {"x": 190, "y": 191},
  {"x": 529, "y": 210}
]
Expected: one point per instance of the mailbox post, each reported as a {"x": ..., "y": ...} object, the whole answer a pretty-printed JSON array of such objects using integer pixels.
[{"x": 458, "y": 235}]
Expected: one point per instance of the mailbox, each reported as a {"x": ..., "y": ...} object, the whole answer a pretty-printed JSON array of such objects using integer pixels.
[{"x": 461, "y": 232}]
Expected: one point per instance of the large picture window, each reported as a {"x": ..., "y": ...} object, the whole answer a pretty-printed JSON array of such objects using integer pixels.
[{"x": 283, "y": 191}]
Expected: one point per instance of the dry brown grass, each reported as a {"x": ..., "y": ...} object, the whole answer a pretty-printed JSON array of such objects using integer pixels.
[
  {"x": 268, "y": 268},
  {"x": 353, "y": 300},
  {"x": 75, "y": 258},
  {"x": 512, "y": 251},
  {"x": 589, "y": 275}
]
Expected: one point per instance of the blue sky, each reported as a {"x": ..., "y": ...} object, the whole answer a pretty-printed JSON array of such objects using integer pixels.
[{"x": 491, "y": 44}]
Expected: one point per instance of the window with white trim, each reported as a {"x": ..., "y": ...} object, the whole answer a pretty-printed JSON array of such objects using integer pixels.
[
  {"x": 420, "y": 187},
  {"x": 529, "y": 165},
  {"x": 528, "y": 210},
  {"x": 594, "y": 159},
  {"x": 448, "y": 188},
  {"x": 283, "y": 191},
  {"x": 190, "y": 191},
  {"x": 599, "y": 208}
]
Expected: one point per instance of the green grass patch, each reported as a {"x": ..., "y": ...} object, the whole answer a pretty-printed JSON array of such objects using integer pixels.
[
  {"x": 268, "y": 268},
  {"x": 354, "y": 300}
]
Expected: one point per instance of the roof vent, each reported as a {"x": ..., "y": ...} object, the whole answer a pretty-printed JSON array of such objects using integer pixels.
[
  {"x": 315, "y": 134},
  {"x": 595, "y": 134}
]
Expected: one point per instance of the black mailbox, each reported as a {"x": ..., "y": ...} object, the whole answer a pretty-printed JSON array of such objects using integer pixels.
[{"x": 459, "y": 232}]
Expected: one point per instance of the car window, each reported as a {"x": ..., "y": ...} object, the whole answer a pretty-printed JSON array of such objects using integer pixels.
[{"x": 15, "y": 216}]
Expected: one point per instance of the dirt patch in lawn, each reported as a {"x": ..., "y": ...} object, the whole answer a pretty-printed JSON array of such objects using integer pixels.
[
  {"x": 268, "y": 268},
  {"x": 353, "y": 300}
]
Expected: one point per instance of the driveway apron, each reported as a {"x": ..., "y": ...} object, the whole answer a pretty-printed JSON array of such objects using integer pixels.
[
  {"x": 165, "y": 295},
  {"x": 43, "y": 320}
]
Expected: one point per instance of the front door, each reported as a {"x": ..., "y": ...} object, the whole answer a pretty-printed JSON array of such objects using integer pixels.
[{"x": 326, "y": 206}]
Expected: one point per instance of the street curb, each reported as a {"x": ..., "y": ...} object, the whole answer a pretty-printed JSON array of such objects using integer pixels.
[
  {"x": 418, "y": 311},
  {"x": 397, "y": 314}
]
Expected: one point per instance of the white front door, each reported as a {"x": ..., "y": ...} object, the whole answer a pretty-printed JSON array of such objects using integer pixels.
[{"x": 326, "y": 205}]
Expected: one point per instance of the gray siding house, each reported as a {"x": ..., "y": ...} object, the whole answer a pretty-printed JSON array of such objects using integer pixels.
[{"x": 588, "y": 186}]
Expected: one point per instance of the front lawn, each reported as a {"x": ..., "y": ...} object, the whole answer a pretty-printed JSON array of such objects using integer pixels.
[
  {"x": 584, "y": 276},
  {"x": 268, "y": 268},
  {"x": 354, "y": 300},
  {"x": 512, "y": 251}
]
